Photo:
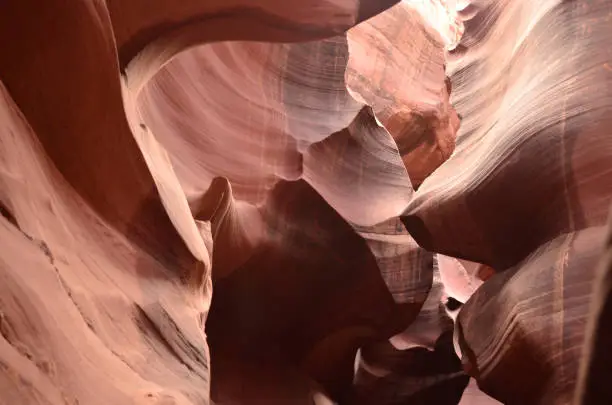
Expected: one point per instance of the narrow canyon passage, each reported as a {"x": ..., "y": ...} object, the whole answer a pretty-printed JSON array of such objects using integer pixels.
[{"x": 265, "y": 202}]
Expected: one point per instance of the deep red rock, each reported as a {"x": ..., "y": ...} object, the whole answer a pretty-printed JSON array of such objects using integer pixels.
[{"x": 272, "y": 202}]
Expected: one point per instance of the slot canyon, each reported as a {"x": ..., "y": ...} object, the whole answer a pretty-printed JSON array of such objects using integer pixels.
[{"x": 305, "y": 202}]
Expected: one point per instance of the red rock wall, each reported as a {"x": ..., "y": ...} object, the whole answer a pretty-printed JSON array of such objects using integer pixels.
[{"x": 371, "y": 204}]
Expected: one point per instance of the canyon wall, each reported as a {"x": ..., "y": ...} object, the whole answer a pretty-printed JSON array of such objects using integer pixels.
[{"x": 323, "y": 201}]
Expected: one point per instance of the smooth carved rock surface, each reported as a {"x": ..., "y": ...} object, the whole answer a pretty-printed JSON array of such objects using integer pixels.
[
  {"x": 324, "y": 201},
  {"x": 532, "y": 157},
  {"x": 595, "y": 371},
  {"x": 527, "y": 190}
]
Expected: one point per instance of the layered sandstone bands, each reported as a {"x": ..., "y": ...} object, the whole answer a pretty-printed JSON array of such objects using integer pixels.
[{"x": 193, "y": 217}]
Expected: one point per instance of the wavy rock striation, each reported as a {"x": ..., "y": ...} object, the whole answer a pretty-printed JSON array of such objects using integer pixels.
[{"x": 324, "y": 201}]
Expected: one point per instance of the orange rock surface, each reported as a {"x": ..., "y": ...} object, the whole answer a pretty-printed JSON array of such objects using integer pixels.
[{"x": 321, "y": 201}]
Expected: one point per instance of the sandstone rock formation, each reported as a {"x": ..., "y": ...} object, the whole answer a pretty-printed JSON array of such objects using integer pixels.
[{"x": 320, "y": 201}]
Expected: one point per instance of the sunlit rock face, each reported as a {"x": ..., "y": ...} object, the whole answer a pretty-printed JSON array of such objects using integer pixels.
[
  {"x": 527, "y": 189},
  {"x": 330, "y": 202}
]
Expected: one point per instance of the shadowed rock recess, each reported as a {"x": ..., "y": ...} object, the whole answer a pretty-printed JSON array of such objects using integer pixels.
[{"x": 274, "y": 202}]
